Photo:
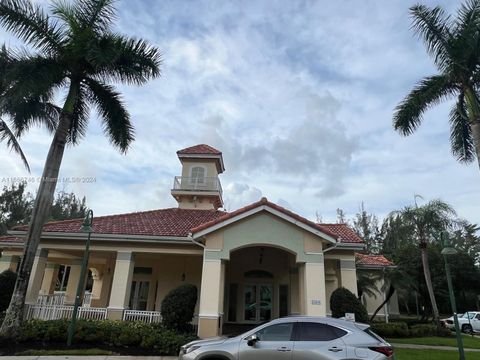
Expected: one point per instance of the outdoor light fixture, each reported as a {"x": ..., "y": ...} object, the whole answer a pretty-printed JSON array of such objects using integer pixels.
[
  {"x": 447, "y": 250},
  {"x": 86, "y": 228}
]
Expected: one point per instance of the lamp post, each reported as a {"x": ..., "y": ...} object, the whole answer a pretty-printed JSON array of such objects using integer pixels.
[
  {"x": 446, "y": 251},
  {"x": 86, "y": 228}
]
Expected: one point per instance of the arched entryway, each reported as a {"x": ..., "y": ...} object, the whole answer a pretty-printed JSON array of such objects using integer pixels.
[{"x": 261, "y": 284}]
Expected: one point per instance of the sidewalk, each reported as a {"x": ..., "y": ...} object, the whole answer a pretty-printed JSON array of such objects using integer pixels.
[
  {"x": 429, "y": 347},
  {"x": 82, "y": 357}
]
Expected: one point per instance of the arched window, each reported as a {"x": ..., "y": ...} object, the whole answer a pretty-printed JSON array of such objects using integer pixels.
[{"x": 198, "y": 174}]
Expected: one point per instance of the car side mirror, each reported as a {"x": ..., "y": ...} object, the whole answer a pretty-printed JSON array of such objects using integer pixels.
[{"x": 252, "y": 339}]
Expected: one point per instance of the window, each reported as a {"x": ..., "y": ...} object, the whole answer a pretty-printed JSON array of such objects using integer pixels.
[
  {"x": 278, "y": 332},
  {"x": 198, "y": 174},
  {"x": 477, "y": 317},
  {"x": 311, "y": 331}
]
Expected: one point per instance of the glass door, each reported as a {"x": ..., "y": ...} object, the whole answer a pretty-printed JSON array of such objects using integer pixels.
[
  {"x": 139, "y": 295},
  {"x": 258, "y": 303}
]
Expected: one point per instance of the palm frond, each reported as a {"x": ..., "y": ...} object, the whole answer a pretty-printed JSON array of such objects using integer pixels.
[
  {"x": 432, "y": 25},
  {"x": 65, "y": 11},
  {"x": 7, "y": 135},
  {"x": 463, "y": 147},
  {"x": 429, "y": 91},
  {"x": 116, "y": 119},
  {"x": 31, "y": 24},
  {"x": 78, "y": 126},
  {"x": 130, "y": 61},
  {"x": 32, "y": 111},
  {"x": 96, "y": 14},
  {"x": 466, "y": 47}
]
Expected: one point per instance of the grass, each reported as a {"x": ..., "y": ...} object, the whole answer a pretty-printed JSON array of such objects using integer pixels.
[
  {"x": 468, "y": 341},
  {"x": 41, "y": 352},
  {"x": 410, "y": 354}
]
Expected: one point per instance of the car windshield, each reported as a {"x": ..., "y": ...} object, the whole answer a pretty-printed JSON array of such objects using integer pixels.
[{"x": 467, "y": 315}]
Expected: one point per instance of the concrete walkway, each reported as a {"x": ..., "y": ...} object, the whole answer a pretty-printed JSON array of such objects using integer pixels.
[
  {"x": 429, "y": 347},
  {"x": 81, "y": 357}
]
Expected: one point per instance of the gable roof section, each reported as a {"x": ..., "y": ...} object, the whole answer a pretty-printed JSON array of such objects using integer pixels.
[
  {"x": 268, "y": 206},
  {"x": 372, "y": 261},
  {"x": 165, "y": 222},
  {"x": 201, "y": 149},
  {"x": 344, "y": 232}
]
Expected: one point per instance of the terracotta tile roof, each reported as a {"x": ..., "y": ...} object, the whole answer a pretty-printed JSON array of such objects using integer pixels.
[
  {"x": 345, "y": 232},
  {"x": 264, "y": 201},
  {"x": 164, "y": 222},
  {"x": 372, "y": 260},
  {"x": 11, "y": 239},
  {"x": 201, "y": 149}
]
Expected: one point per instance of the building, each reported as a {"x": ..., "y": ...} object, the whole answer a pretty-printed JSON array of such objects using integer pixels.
[{"x": 251, "y": 265}]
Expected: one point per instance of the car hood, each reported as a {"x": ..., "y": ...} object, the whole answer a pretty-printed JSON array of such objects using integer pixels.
[{"x": 209, "y": 341}]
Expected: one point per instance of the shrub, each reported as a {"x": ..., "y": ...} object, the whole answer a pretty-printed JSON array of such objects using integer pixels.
[
  {"x": 156, "y": 338},
  {"x": 421, "y": 330},
  {"x": 178, "y": 308},
  {"x": 391, "y": 330},
  {"x": 7, "y": 284},
  {"x": 344, "y": 301}
]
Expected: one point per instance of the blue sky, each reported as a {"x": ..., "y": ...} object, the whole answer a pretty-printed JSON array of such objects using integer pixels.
[{"x": 298, "y": 95}]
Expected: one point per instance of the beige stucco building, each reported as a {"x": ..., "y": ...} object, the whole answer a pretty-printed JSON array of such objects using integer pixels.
[{"x": 251, "y": 265}]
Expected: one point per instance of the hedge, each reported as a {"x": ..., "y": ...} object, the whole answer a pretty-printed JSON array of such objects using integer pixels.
[
  {"x": 108, "y": 333},
  {"x": 401, "y": 330}
]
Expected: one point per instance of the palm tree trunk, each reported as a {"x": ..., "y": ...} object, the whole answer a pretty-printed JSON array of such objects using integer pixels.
[
  {"x": 428, "y": 281},
  {"x": 41, "y": 210},
  {"x": 476, "y": 138},
  {"x": 390, "y": 293}
]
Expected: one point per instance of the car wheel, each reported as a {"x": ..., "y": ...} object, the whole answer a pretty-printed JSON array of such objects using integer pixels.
[{"x": 467, "y": 329}]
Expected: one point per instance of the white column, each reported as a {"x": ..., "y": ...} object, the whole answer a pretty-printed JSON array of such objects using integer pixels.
[
  {"x": 49, "y": 278},
  {"x": 211, "y": 298},
  {"x": 314, "y": 289},
  {"x": 9, "y": 262},
  {"x": 121, "y": 284},
  {"x": 348, "y": 275},
  {"x": 72, "y": 282},
  {"x": 36, "y": 276}
]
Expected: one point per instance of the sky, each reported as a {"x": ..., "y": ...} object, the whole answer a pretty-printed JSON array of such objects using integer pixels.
[{"x": 299, "y": 97}]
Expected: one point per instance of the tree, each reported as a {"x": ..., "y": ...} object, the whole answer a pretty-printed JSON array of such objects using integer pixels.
[
  {"x": 427, "y": 221},
  {"x": 178, "y": 308},
  {"x": 15, "y": 206},
  {"x": 341, "y": 216},
  {"x": 453, "y": 45},
  {"x": 76, "y": 52},
  {"x": 67, "y": 206},
  {"x": 366, "y": 226}
]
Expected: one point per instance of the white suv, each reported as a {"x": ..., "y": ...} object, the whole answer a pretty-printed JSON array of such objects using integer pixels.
[{"x": 469, "y": 322}]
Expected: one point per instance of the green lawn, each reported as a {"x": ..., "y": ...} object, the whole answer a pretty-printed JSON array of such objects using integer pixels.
[
  {"x": 410, "y": 354},
  {"x": 468, "y": 341}
]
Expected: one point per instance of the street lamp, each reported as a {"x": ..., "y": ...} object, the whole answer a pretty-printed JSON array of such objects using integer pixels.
[
  {"x": 447, "y": 250},
  {"x": 86, "y": 228}
]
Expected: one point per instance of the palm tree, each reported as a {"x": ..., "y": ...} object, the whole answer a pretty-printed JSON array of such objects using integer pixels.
[
  {"x": 454, "y": 45},
  {"x": 76, "y": 52},
  {"x": 427, "y": 221},
  {"x": 7, "y": 135}
]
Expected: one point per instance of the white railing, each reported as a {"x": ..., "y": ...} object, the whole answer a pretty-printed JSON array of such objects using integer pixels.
[
  {"x": 58, "y": 298},
  {"x": 199, "y": 183},
  {"x": 55, "y": 312},
  {"x": 144, "y": 316}
]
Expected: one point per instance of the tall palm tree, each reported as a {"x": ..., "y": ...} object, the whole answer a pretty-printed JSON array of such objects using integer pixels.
[
  {"x": 454, "y": 45},
  {"x": 7, "y": 135},
  {"x": 427, "y": 221},
  {"x": 76, "y": 52}
]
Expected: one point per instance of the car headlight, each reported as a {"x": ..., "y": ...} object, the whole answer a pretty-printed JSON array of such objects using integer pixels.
[{"x": 187, "y": 350}]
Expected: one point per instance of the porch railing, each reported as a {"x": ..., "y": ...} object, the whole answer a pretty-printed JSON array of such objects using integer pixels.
[
  {"x": 58, "y": 298},
  {"x": 144, "y": 316},
  {"x": 55, "y": 312}
]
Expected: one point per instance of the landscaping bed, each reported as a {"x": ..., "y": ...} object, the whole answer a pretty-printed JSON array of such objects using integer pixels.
[{"x": 117, "y": 337}]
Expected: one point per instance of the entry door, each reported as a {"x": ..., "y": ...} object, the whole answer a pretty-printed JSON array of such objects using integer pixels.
[
  {"x": 258, "y": 303},
  {"x": 139, "y": 295}
]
